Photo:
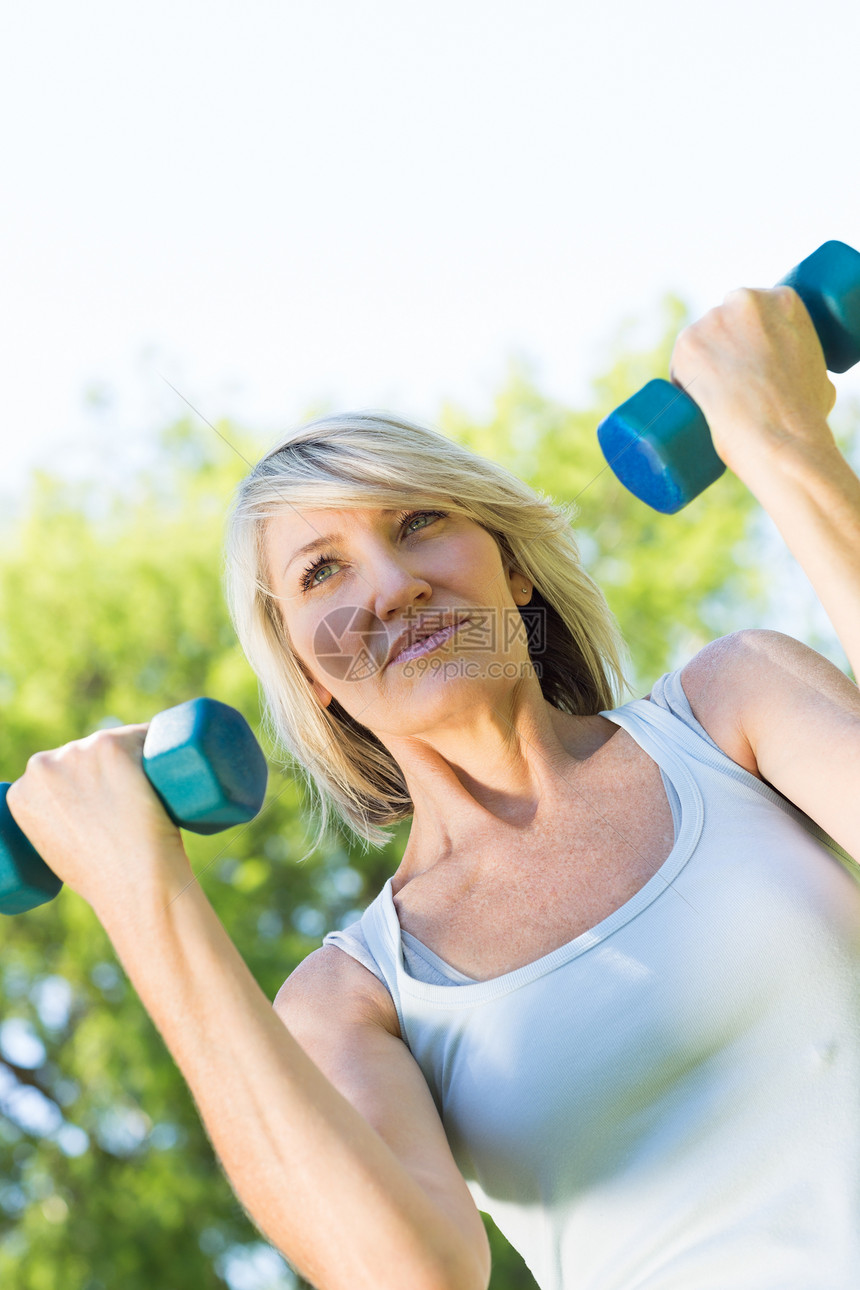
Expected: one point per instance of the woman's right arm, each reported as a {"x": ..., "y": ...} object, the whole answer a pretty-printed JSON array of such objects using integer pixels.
[{"x": 319, "y": 1181}]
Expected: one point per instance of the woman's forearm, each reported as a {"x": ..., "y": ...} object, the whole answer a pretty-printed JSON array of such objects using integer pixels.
[
  {"x": 315, "y": 1177},
  {"x": 813, "y": 497}
]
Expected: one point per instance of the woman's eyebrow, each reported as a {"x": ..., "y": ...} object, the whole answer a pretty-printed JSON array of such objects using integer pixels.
[{"x": 318, "y": 542}]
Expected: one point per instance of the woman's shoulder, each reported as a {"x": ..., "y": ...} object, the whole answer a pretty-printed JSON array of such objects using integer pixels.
[
  {"x": 713, "y": 702},
  {"x": 330, "y": 973}
]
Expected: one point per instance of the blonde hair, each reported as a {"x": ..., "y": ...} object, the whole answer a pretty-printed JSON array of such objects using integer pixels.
[{"x": 375, "y": 459}]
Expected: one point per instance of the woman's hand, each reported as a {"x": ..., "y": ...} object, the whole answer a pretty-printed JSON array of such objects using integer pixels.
[
  {"x": 97, "y": 822},
  {"x": 755, "y": 367}
]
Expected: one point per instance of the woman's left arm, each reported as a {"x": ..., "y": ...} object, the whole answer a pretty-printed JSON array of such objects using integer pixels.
[
  {"x": 814, "y": 500},
  {"x": 762, "y": 385},
  {"x": 761, "y": 382}
]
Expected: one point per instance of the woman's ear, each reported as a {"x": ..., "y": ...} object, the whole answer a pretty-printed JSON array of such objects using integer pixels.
[
  {"x": 322, "y": 695},
  {"x": 520, "y": 586}
]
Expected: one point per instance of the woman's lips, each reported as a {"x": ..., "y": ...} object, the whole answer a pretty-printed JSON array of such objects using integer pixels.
[{"x": 424, "y": 646}]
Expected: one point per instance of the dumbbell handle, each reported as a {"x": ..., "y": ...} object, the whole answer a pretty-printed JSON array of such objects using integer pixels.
[
  {"x": 204, "y": 763},
  {"x": 658, "y": 443}
]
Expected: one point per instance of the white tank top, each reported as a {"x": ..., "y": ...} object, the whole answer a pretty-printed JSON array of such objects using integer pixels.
[{"x": 671, "y": 1101}]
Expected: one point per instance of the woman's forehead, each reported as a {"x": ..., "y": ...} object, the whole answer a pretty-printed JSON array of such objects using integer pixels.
[
  {"x": 296, "y": 518},
  {"x": 302, "y": 522}
]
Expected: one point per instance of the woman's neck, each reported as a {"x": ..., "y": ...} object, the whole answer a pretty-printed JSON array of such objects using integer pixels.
[{"x": 466, "y": 809}]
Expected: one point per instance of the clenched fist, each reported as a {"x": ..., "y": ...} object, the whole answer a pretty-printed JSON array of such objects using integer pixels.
[
  {"x": 757, "y": 372},
  {"x": 96, "y": 821}
]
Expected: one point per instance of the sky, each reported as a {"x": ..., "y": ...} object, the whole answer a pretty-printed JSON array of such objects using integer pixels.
[{"x": 280, "y": 207}]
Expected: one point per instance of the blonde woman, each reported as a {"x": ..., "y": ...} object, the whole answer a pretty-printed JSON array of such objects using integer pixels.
[{"x": 611, "y": 994}]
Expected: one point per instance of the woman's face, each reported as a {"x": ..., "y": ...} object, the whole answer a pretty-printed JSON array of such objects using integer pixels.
[{"x": 371, "y": 575}]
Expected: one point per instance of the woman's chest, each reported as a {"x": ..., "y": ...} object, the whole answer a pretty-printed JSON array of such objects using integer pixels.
[{"x": 522, "y": 899}]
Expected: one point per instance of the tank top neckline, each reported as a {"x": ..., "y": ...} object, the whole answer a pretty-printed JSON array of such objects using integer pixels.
[{"x": 650, "y": 732}]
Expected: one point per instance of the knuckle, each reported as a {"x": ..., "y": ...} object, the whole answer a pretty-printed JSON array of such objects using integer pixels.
[
  {"x": 786, "y": 301},
  {"x": 687, "y": 339},
  {"x": 745, "y": 303},
  {"x": 98, "y": 742}
]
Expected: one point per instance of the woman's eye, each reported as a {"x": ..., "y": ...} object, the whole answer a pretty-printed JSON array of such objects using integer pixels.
[
  {"x": 309, "y": 580},
  {"x": 419, "y": 516},
  {"x": 321, "y": 562}
]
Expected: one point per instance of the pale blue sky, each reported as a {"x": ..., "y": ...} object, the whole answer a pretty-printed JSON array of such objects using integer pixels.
[{"x": 377, "y": 202}]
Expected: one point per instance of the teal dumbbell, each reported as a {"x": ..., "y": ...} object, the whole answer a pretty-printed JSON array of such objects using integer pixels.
[
  {"x": 204, "y": 763},
  {"x": 658, "y": 443}
]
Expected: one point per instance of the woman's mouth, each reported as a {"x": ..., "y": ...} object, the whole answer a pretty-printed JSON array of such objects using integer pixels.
[{"x": 426, "y": 644}]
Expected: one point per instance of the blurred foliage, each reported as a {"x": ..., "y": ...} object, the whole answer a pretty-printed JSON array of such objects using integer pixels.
[{"x": 110, "y": 610}]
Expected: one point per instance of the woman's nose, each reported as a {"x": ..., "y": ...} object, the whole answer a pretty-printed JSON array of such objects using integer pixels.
[{"x": 393, "y": 586}]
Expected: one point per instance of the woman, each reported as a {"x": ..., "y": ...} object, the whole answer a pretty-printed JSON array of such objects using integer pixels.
[{"x": 610, "y": 996}]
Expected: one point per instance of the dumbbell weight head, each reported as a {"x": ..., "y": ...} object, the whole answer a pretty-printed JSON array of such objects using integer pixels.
[
  {"x": 660, "y": 448},
  {"x": 828, "y": 283},
  {"x": 204, "y": 763},
  {"x": 25, "y": 879}
]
